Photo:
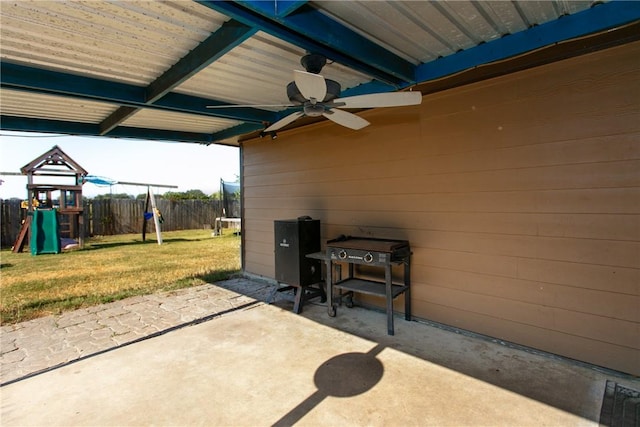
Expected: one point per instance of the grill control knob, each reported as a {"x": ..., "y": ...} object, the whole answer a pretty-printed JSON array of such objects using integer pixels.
[
  {"x": 368, "y": 257},
  {"x": 342, "y": 254}
]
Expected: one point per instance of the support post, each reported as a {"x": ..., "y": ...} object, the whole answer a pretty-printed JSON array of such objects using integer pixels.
[
  {"x": 156, "y": 219},
  {"x": 144, "y": 219}
]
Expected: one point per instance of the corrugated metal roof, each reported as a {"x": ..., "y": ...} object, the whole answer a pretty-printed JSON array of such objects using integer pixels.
[
  {"x": 130, "y": 41},
  {"x": 155, "y": 66},
  {"x": 263, "y": 60},
  {"x": 267, "y": 63},
  {"x": 422, "y": 31},
  {"x": 54, "y": 107},
  {"x": 166, "y": 120}
]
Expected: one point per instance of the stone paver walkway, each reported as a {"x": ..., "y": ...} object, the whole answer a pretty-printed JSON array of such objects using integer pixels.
[{"x": 36, "y": 345}]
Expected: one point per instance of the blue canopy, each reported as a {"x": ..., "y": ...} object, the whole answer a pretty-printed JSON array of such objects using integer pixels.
[{"x": 100, "y": 180}]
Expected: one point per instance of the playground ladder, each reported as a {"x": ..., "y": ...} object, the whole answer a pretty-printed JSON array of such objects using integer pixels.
[{"x": 18, "y": 246}]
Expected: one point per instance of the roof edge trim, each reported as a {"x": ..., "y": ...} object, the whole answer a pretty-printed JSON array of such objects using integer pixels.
[{"x": 599, "y": 18}]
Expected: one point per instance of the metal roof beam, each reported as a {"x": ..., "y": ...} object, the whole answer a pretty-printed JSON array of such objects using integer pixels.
[
  {"x": 189, "y": 103},
  {"x": 116, "y": 118},
  {"x": 160, "y": 135},
  {"x": 315, "y": 25},
  {"x": 15, "y": 76},
  {"x": 228, "y": 36},
  {"x": 274, "y": 9},
  {"x": 600, "y": 17},
  {"x": 235, "y": 131},
  {"x": 21, "y": 77},
  {"x": 318, "y": 39},
  {"x": 29, "y": 124}
]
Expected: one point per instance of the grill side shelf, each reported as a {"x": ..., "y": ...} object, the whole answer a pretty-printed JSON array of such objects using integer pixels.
[{"x": 369, "y": 287}]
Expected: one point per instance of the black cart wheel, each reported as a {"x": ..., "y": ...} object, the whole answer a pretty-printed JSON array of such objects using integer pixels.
[{"x": 332, "y": 312}]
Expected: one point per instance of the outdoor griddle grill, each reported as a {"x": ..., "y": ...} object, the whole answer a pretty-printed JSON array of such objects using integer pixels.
[{"x": 370, "y": 252}]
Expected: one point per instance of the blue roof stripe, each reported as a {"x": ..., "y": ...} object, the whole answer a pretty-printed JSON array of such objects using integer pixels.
[{"x": 599, "y": 18}]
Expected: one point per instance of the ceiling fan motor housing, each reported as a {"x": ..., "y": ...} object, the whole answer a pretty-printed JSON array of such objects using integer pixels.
[
  {"x": 294, "y": 95},
  {"x": 313, "y": 62}
]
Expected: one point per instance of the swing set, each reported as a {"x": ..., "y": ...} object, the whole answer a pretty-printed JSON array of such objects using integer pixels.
[
  {"x": 155, "y": 214},
  {"x": 150, "y": 199}
]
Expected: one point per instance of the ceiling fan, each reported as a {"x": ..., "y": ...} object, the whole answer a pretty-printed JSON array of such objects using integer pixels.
[{"x": 315, "y": 96}]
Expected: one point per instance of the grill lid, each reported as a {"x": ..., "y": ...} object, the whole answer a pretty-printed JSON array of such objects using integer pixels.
[{"x": 368, "y": 244}]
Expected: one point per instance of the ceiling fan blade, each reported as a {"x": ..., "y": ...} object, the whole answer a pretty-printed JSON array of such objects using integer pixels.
[
  {"x": 250, "y": 105},
  {"x": 284, "y": 121},
  {"x": 310, "y": 85},
  {"x": 374, "y": 100},
  {"x": 346, "y": 119}
]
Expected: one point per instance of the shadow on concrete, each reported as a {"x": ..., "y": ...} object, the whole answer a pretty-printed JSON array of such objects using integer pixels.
[
  {"x": 344, "y": 375},
  {"x": 553, "y": 380}
]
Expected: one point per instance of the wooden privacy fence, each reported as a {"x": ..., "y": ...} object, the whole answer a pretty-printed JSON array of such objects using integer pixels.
[{"x": 122, "y": 216}]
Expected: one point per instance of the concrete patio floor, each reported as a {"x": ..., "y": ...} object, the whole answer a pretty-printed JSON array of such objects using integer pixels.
[{"x": 261, "y": 365}]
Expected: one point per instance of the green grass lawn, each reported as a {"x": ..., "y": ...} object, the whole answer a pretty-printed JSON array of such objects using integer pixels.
[{"x": 111, "y": 268}]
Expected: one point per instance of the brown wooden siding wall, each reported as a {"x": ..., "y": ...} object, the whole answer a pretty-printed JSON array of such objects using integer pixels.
[{"x": 520, "y": 197}]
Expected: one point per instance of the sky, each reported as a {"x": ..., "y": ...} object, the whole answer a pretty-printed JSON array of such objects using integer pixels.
[{"x": 189, "y": 166}]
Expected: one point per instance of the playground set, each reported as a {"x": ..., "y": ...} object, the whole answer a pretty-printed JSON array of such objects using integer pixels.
[{"x": 54, "y": 218}]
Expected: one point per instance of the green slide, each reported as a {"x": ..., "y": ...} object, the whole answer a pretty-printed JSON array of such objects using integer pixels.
[{"x": 45, "y": 233}]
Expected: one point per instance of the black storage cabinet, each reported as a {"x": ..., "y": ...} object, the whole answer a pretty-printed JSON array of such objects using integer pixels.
[{"x": 294, "y": 239}]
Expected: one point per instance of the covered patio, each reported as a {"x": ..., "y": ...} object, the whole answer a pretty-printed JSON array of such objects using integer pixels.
[
  {"x": 261, "y": 364},
  {"x": 515, "y": 180}
]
